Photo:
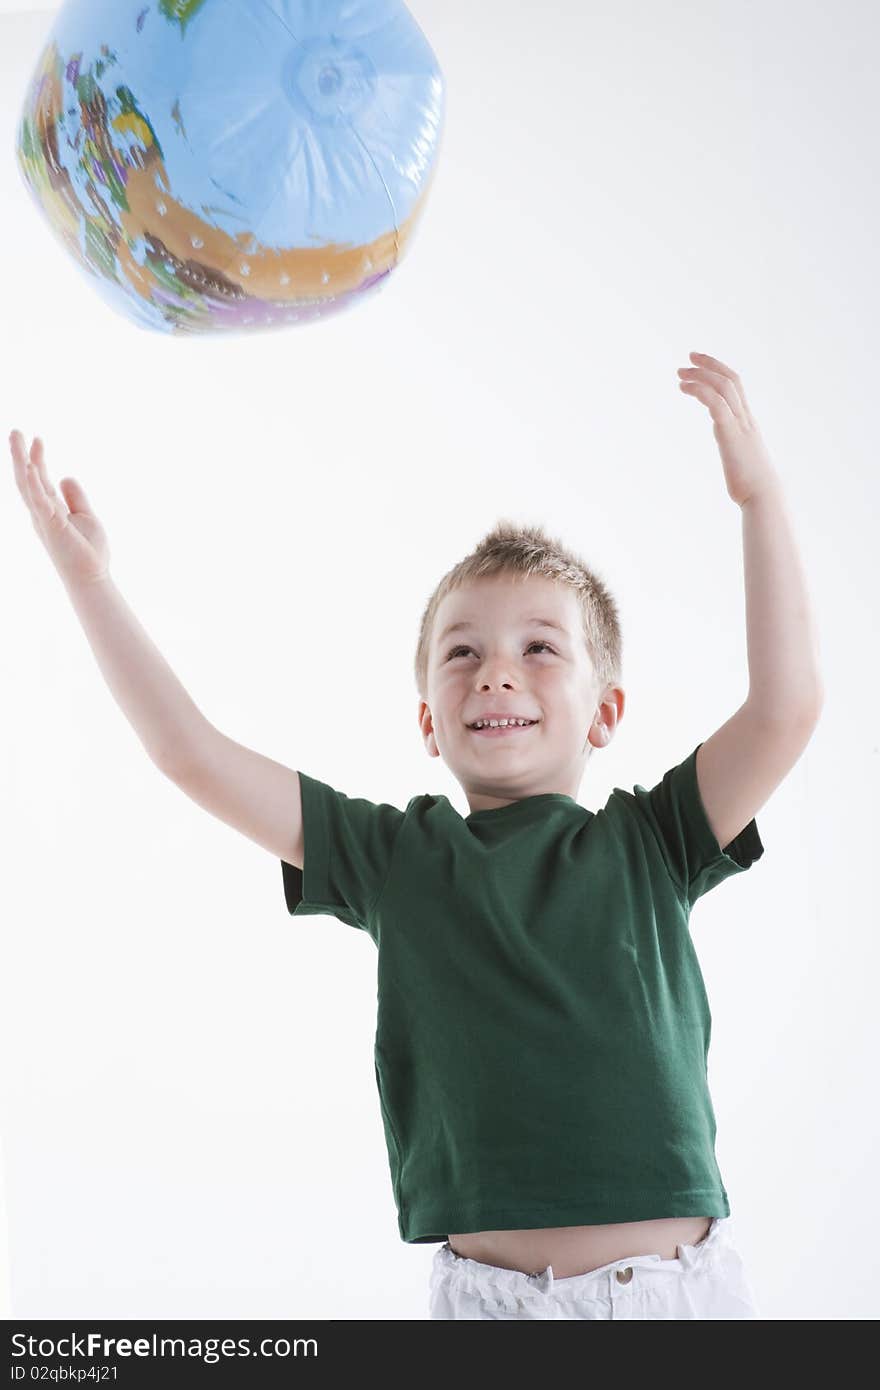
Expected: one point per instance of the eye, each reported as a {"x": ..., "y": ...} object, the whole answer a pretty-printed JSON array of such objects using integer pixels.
[{"x": 538, "y": 642}]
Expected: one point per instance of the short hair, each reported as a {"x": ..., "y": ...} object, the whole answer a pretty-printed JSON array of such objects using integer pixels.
[{"x": 529, "y": 551}]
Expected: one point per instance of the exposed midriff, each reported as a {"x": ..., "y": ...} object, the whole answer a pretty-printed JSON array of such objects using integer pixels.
[{"x": 578, "y": 1249}]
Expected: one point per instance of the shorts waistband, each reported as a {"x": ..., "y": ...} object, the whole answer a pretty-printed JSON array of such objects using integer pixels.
[{"x": 516, "y": 1282}]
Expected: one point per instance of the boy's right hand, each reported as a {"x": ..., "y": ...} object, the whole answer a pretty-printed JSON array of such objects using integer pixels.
[{"x": 68, "y": 528}]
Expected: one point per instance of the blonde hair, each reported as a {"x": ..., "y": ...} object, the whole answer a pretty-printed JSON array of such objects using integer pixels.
[{"x": 528, "y": 550}]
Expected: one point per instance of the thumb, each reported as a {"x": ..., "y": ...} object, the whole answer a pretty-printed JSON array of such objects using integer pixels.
[{"x": 74, "y": 495}]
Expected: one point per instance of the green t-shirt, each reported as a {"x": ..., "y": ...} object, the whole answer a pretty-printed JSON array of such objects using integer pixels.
[{"x": 542, "y": 1023}]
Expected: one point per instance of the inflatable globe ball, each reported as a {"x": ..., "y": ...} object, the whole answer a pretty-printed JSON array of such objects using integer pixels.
[{"x": 232, "y": 164}]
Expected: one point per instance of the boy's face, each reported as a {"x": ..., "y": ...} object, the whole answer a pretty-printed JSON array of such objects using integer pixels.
[{"x": 505, "y": 661}]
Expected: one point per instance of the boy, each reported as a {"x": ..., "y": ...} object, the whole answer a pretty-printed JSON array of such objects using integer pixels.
[{"x": 542, "y": 1029}]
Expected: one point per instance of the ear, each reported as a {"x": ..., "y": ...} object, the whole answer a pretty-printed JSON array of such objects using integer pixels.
[
  {"x": 611, "y": 708},
  {"x": 426, "y": 729}
]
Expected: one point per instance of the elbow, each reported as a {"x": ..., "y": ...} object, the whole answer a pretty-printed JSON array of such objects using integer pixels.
[
  {"x": 808, "y": 714},
  {"x": 802, "y": 708},
  {"x": 816, "y": 705},
  {"x": 169, "y": 766}
]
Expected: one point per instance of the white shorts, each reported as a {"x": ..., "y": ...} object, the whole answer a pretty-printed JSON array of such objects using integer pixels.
[{"x": 707, "y": 1280}]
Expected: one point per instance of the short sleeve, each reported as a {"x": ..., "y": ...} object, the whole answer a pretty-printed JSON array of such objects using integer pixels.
[
  {"x": 675, "y": 813},
  {"x": 348, "y": 843}
]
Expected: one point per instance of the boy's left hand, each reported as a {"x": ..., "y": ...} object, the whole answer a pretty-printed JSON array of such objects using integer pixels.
[{"x": 747, "y": 466}]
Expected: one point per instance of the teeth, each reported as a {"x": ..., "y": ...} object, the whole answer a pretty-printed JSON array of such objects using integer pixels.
[{"x": 500, "y": 723}]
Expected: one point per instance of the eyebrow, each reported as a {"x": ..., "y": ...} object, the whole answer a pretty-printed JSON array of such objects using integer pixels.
[{"x": 536, "y": 622}]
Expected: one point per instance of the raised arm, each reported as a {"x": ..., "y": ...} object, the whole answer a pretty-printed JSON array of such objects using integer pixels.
[
  {"x": 255, "y": 795},
  {"x": 743, "y": 762}
]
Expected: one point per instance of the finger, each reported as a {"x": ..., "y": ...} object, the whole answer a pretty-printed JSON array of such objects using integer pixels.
[
  {"x": 708, "y": 361},
  {"x": 718, "y": 366},
  {"x": 41, "y": 504},
  {"x": 24, "y": 471},
  {"x": 27, "y": 475},
  {"x": 720, "y": 383},
  {"x": 19, "y": 458},
  {"x": 38, "y": 459},
  {"x": 719, "y": 406}
]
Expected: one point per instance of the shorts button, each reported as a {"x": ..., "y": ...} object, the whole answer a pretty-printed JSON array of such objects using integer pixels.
[{"x": 624, "y": 1275}]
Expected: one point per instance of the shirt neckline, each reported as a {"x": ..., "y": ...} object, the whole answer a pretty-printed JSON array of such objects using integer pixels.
[{"x": 513, "y": 807}]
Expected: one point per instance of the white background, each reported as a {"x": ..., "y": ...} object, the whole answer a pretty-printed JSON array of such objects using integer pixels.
[{"x": 190, "y": 1126}]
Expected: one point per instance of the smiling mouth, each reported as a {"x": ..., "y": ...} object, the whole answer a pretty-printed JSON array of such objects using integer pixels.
[{"x": 488, "y": 732}]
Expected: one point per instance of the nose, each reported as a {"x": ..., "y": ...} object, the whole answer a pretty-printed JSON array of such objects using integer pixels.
[{"x": 495, "y": 674}]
